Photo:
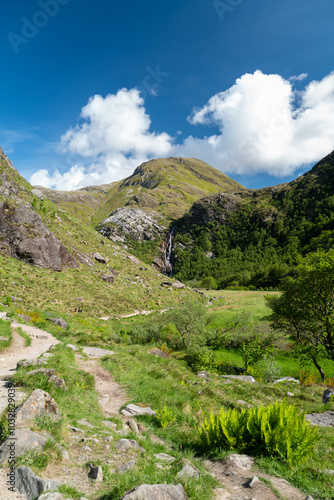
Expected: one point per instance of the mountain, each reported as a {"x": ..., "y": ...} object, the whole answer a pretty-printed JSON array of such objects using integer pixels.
[
  {"x": 139, "y": 210},
  {"x": 49, "y": 259},
  {"x": 253, "y": 238}
]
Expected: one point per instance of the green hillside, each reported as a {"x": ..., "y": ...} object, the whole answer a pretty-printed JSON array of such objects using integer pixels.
[{"x": 254, "y": 238}]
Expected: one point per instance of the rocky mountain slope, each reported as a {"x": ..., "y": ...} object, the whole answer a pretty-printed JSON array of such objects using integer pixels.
[
  {"x": 38, "y": 238},
  {"x": 253, "y": 237}
]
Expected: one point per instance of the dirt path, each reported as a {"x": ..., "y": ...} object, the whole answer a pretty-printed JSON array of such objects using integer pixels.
[
  {"x": 41, "y": 341},
  {"x": 112, "y": 397}
]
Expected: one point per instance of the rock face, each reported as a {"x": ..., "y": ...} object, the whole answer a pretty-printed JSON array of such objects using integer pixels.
[
  {"x": 156, "y": 492},
  {"x": 24, "y": 236},
  {"x": 38, "y": 403},
  {"x": 138, "y": 224},
  {"x": 30, "y": 485}
]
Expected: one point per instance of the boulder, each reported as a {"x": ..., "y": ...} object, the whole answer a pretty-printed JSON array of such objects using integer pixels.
[
  {"x": 99, "y": 258},
  {"x": 109, "y": 424},
  {"x": 24, "y": 440},
  {"x": 108, "y": 278},
  {"x": 133, "y": 410},
  {"x": 38, "y": 193},
  {"x": 133, "y": 426},
  {"x": 38, "y": 403},
  {"x": 236, "y": 461},
  {"x": 31, "y": 241},
  {"x": 164, "y": 456},
  {"x": 30, "y": 485},
  {"x": 156, "y": 492},
  {"x": 128, "y": 444},
  {"x": 59, "y": 322}
]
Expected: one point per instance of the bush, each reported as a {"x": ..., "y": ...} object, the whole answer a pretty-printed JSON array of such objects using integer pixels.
[
  {"x": 165, "y": 417},
  {"x": 276, "y": 430},
  {"x": 201, "y": 358}
]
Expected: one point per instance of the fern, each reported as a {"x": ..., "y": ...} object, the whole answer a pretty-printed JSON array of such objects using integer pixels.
[{"x": 276, "y": 430}]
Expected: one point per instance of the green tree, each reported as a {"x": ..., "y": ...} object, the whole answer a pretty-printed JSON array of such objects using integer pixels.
[
  {"x": 305, "y": 309},
  {"x": 190, "y": 320}
]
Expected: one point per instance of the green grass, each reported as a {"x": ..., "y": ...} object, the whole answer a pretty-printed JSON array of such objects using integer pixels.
[
  {"x": 6, "y": 333},
  {"x": 25, "y": 336},
  {"x": 169, "y": 382}
]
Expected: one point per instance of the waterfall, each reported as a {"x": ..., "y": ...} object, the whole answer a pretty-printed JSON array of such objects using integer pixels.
[{"x": 167, "y": 253}]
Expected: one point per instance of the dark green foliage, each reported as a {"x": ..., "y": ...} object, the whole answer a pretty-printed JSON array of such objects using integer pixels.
[{"x": 257, "y": 243}]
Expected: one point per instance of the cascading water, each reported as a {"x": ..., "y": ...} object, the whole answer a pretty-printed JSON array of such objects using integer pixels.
[{"x": 168, "y": 253}]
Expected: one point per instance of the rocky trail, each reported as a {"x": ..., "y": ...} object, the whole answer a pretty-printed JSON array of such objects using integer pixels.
[{"x": 239, "y": 479}]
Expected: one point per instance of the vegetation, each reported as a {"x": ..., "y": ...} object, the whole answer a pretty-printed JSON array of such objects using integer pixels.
[
  {"x": 278, "y": 429},
  {"x": 5, "y": 334},
  {"x": 305, "y": 309}
]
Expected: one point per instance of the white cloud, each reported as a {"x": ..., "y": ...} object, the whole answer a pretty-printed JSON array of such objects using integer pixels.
[
  {"x": 263, "y": 125},
  {"x": 113, "y": 140},
  {"x": 298, "y": 78}
]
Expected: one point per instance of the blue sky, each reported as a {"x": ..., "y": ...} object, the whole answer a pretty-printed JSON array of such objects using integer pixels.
[{"x": 91, "y": 89}]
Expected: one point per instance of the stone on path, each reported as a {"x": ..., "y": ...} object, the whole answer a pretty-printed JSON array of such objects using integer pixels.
[
  {"x": 96, "y": 352},
  {"x": 38, "y": 403},
  {"x": 325, "y": 419},
  {"x": 156, "y": 492},
  {"x": 30, "y": 485},
  {"x": 133, "y": 410},
  {"x": 128, "y": 444}
]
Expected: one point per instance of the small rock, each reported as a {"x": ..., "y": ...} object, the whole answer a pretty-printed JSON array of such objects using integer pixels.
[
  {"x": 96, "y": 473},
  {"x": 58, "y": 382},
  {"x": 76, "y": 429},
  {"x": 123, "y": 432},
  {"x": 73, "y": 347},
  {"x": 203, "y": 374},
  {"x": 46, "y": 371},
  {"x": 133, "y": 410},
  {"x": 159, "y": 353},
  {"x": 51, "y": 496},
  {"x": 108, "y": 278},
  {"x": 164, "y": 456},
  {"x": 251, "y": 482},
  {"x": 329, "y": 471},
  {"x": 187, "y": 472},
  {"x": 287, "y": 380},
  {"x": 85, "y": 422},
  {"x": 156, "y": 491},
  {"x": 178, "y": 285},
  {"x": 327, "y": 395},
  {"x": 107, "y": 423},
  {"x": 25, "y": 317},
  {"x": 241, "y": 402},
  {"x": 108, "y": 439},
  {"x": 59, "y": 322},
  {"x": 86, "y": 448},
  {"x": 127, "y": 466},
  {"x": 133, "y": 259},
  {"x": 133, "y": 426},
  {"x": 128, "y": 444},
  {"x": 241, "y": 378},
  {"x": 97, "y": 256},
  {"x": 289, "y": 394},
  {"x": 221, "y": 494},
  {"x": 30, "y": 362}
]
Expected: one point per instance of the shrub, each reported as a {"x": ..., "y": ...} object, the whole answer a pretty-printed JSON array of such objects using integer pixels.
[
  {"x": 276, "y": 430},
  {"x": 201, "y": 358}
]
